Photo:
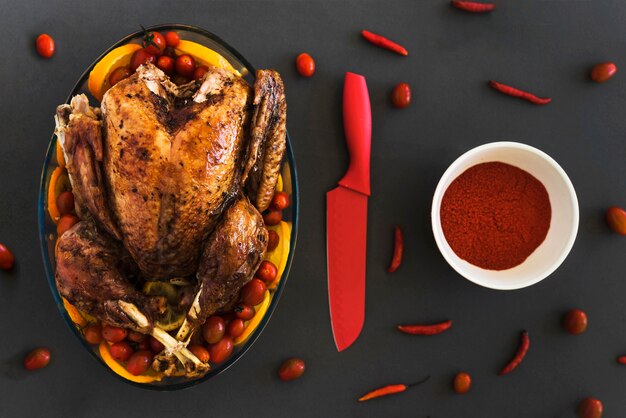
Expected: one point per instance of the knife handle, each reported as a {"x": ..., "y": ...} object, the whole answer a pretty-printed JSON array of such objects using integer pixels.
[{"x": 357, "y": 124}]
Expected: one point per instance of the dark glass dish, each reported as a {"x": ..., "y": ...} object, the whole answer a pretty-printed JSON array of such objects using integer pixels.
[{"x": 47, "y": 228}]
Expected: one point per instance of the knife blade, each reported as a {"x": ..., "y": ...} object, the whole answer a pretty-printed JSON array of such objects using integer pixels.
[{"x": 346, "y": 219}]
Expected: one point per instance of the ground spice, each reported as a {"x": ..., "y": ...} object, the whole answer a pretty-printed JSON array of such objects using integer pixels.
[{"x": 494, "y": 215}]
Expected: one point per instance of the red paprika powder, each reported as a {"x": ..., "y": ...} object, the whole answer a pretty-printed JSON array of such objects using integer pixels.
[{"x": 494, "y": 215}]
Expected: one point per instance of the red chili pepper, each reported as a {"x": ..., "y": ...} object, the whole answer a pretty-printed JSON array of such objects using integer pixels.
[
  {"x": 383, "y": 42},
  {"x": 621, "y": 359},
  {"x": 524, "y": 345},
  {"x": 389, "y": 390},
  {"x": 398, "y": 249},
  {"x": 473, "y": 7},
  {"x": 432, "y": 329},
  {"x": 512, "y": 91}
]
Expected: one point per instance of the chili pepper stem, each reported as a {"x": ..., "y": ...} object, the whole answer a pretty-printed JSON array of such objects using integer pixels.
[{"x": 424, "y": 380}]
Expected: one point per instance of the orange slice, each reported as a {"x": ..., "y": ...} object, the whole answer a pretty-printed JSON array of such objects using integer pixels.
[
  {"x": 280, "y": 254},
  {"x": 98, "y": 82},
  {"x": 204, "y": 55},
  {"x": 119, "y": 368},
  {"x": 74, "y": 314},
  {"x": 59, "y": 183},
  {"x": 59, "y": 154},
  {"x": 252, "y": 324},
  {"x": 279, "y": 183}
]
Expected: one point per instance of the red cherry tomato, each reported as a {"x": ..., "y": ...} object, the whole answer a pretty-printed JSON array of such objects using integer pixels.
[
  {"x": 291, "y": 369},
  {"x": 603, "y": 71},
  {"x": 166, "y": 64},
  {"x": 305, "y": 65},
  {"x": 590, "y": 408},
  {"x": 185, "y": 65},
  {"x": 172, "y": 39},
  {"x": 119, "y": 74},
  {"x": 245, "y": 312},
  {"x": 139, "y": 362},
  {"x": 575, "y": 322},
  {"x": 616, "y": 218},
  {"x": 213, "y": 329},
  {"x": 154, "y": 43},
  {"x": 144, "y": 345},
  {"x": 170, "y": 52},
  {"x": 136, "y": 337},
  {"x": 6, "y": 258},
  {"x": 267, "y": 271},
  {"x": 462, "y": 382},
  {"x": 272, "y": 240},
  {"x": 273, "y": 217},
  {"x": 235, "y": 327},
  {"x": 113, "y": 334},
  {"x": 121, "y": 351},
  {"x": 93, "y": 334},
  {"x": 65, "y": 203},
  {"x": 37, "y": 359},
  {"x": 221, "y": 350},
  {"x": 156, "y": 345},
  {"x": 252, "y": 293},
  {"x": 45, "y": 45},
  {"x": 199, "y": 72},
  {"x": 65, "y": 223},
  {"x": 141, "y": 57},
  {"x": 280, "y": 201},
  {"x": 401, "y": 95},
  {"x": 200, "y": 352}
]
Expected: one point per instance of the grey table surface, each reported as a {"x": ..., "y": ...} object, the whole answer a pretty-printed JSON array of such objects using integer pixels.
[{"x": 546, "y": 46}]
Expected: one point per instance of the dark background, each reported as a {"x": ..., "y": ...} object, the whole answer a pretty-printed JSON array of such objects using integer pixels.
[{"x": 545, "y": 46}]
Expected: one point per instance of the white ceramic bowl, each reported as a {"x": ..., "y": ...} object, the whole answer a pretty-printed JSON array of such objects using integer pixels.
[{"x": 563, "y": 227}]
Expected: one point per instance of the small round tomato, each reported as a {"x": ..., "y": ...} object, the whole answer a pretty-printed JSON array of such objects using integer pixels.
[
  {"x": 221, "y": 350},
  {"x": 575, "y": 322},
  {"x": 166, "y": 64},
  {"x": 172, "y": 39},
  {"x": 272, "y": 240},
  {"x": 280, "y": 201},
  {"x": 6, "y": 258},
  {"x": 121, "y": 351},
  {"x": 45, "y": 45},
  {"x": 65, "y": 223},
  {"x": 273, "y": 217},
  {"x": 199, "y": 72},
  {"x": 93, "y": 334},
  {"x": 305, "y": 65},
  {"x": 114, "y": 334},
  {"x": 156, "y": 345},
  {"x": 462, "y": 382},
  {"x": 590, "y": 408},
  {"x": 136, "y": 337},
  {"x": 141, "y": 57},
  {"x": 291, "y": 369},
  {"x": 179, "y": 80},
  {"x": 245, "y": 312},
  {"x": 119, "y": 74},
  {"x": 603, "y": 72},
  {"x": 235, "y": 327},
  {"x": 200, "y": 352},
  {"x": 139, "y": 362},
  {"x": 37, "y": 359},
  {"x": 154, "y": 43},
  {"x": 65, "y": 203},
  {"x": 170, "y": 52},
  {"x": 213, "y": 329},
  {"x": 267, "y": 271},
  {"x": 252, "y": 293},
  {"x": 401, "y": 95},
  {"x": 144, "y": 345},
  {"x": 616, "y": 218},
  {"x": 185, "y": 65}
]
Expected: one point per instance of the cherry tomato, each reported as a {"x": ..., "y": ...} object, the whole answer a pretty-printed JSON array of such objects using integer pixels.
[
  {"x": 185, "y": 65},
  {"x": 305, "y": 65},
  {"x": 245, "y": 312},
  {"x": 45, "y": 45},
  {"x": 6, "y": 258},
  {"x": 272, "y": 240},
  {"x": 37, "y": 359},
  {"x": 170, "y": 52},
  {"x": 200, "y": 352},
  {"x": 144, "y": 345},
  {"x": 616, "y": 218},
  {"x": 401, "y": 95},
  {"x": 121, "y": 351},
  {"x": 179, "y": 80},
  {"x": 139, "y": 362},
  {"x": 140, "y": 57},
  {"x": 93, "y": 334},
  {"x": 65, "y": 223},
  {"x": 273, "y": 217},
  {"x": 590, "y": 408},
  {"x": 136, "y": 337},
  {"x": 113, "y": 334},
  {"x": 221, "y": 350},
  {"x": 252, "y": 293},
  {"x": 280, "y": 201},
  {"x": 575, "y": 322},
  {"x": 213, "y": 329},
  {"x": 65, "y": 203},
  {"x": 267, "y": 271},
  {"x": 291, "y": 369},
  {"x": 462, "y": 382},
  {"x": 119, "y": 74},
  {"x": 172, "y": 39},
  {"x": 199, "y": 72},
  {"x": 154, "y": 43},
  {"x": 166, "y": 64},
  {"x": 235, "y": 327},
  {"x": 603, "y": 71},
  {"x": 156, "y": 345}
]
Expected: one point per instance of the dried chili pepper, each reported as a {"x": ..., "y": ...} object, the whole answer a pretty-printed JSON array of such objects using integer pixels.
[
  {"x": 473, "y": 7},
  {"x": 621, "y": 359},
  {"x": 514, "y": 92},
  {"x": 398, "y": 249},
  {"x": 389, "y": 390},
  {"x": 522, "y": 349},
  {"x": 383, "y": 42},
  {"x": 431, "y": 329}
]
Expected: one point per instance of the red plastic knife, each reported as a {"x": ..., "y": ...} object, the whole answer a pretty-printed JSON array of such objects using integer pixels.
[{"x": 346, "y": 218}]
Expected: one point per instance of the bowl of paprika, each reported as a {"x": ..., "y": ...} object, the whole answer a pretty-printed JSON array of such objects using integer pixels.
[{"x": 505, "y": 215}]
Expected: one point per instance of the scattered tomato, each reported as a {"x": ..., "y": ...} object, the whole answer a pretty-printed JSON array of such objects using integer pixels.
[
  {"x": 273, "y": 239},
  {"x": 45, "y": 45},
  {"x": 65, "y": 203},
  {"x": 121, "y": 351},
  {"x": 305, "y": 65},
  {"x": 575, "y": 322},
  {"x": 200, "y": 352},
  {"x": 616, "y": 218},
  {"x": 590, "y": 408},
  {"x": 185, "y": 65},
  {"x": 154, "y": 43},
  {"x": 280, "y": 201},
  {"x": 141, "y": 57},
  {"x": 136, "y": 337},
  {"x": 401, "y": 95},
  {"x": 273, "y": 217},
  {"x": 6, "y": 258},
  {"x": 252, "y": 293},
  {"x": 172, "y": 39},
  {"x": 139, "y": 362},
  {"x": 221, "y": 350},
  {"x": 114, "y": 334},
  {"x": 462, "y": 382},
  {"x": 37, "y": 359},
  {"x": 213, "y": 329},
  {"x": 291, "y": 369},
  {"x": 621, "y": 359},
  {"x": 119, "y": 74},
  {"x": 603, "y": 71},
  {"x": 155, "y": 345},
  {"x": 200, "y": 72},
  {"x": 93, "y": 334},
  {"x": 244, "y": 312},
  {"x": 65, "y": 223},
  {"x": 267, "y": 271},
  {"x": 166, "y": 64},
  {"x": 179, "y": 80},
  {"x": 235, "y": 328}
]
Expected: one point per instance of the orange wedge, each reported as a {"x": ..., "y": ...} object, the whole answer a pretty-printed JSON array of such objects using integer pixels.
[
  {"x": 252, "y": 324},
  {"x": 119, "y": 368},
  {"x": 98, "y": 82},
  {"x": 280, "y": 254},
  {"x": 279, "y": 184},
  {"x": 74, "y": 314},
  {"x": 204, "y": 55},
  {"x": 59, "y": 154},
  {"x": 59, "y": 183}
]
